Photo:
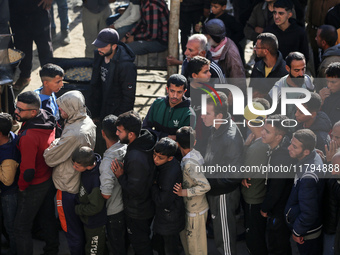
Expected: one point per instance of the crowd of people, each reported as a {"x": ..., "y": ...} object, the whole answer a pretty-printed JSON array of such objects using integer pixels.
[{"x": 186, "y": 171}]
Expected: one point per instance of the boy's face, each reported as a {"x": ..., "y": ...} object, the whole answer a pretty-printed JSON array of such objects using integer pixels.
[
  {"x": 79, "y": 168},
  {"x": 296, "y": 149},
  {"x": 217, "y": 9},
  {"x": 333, "y": 83},
  {"x": 160, "y": 159},
  {"x": 203, "y": 75},
  {"x": 281, "y": 16},
  {"x": 175, "y": 94},
  {"x": 53, "y": 84},
  {"x": 301, "y": 117}
]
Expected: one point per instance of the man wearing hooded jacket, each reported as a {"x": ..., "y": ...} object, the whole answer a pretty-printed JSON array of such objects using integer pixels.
[
  {"x": 36, "y": 190},
  {"x": 113, "y": 82},
  {"x": 136, "y": 177},
  {"x": 79, "y": 130}
]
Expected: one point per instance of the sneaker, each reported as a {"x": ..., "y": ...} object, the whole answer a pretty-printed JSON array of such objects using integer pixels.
[
  {"x": 21, "y": 83},
  {"x": 65, "y": 38}
]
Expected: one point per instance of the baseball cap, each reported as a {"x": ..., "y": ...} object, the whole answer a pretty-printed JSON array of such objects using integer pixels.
[
  {"x": 215, "y": 27},
  {"x": 106, "y": 36},
  {"x": 248, "y": 115}
]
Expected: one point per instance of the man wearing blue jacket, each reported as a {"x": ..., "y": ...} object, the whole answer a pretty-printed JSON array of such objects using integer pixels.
[{"x": 303, "y": 208}]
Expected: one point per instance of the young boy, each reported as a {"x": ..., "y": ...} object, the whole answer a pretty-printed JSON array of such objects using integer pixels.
[
  {"x": 169, "y": 219},
  {"x": 330, "y": 95},
  {"x": 52, "y": 78},
  {"x": 91, "y": 208},
  {"x": 234, "y": 29},
  {"x": 195, "y": 185},
  {"x": 9, "y": 174},
  {"x": 110, "y": 187}
]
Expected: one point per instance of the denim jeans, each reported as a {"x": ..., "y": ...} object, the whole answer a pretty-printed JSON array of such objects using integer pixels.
[
  {"x": 36, "y": 201},
  {"x": 63, "y": 15},
  {"x": 145, "y": 47},
  {"x": 9, "y": 205}
]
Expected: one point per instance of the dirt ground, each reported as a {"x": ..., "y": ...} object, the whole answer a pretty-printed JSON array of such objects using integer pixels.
[{"x": 76, "y": 49}]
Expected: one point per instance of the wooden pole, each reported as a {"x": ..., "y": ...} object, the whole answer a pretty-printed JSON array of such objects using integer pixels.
[{"x": 173, "y": 33}]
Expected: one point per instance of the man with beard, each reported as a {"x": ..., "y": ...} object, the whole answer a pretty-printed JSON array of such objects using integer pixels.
[
  {"x": 271, "y": 65},
  {"x": 306, "y": 194},
  {"x": 113, "y": 80},
  {"x": 136, "y": 177},
  {"x": 167, "y": 114},
  {"x": 296, "y": 78},
  {"x": 36, "y": 189}
]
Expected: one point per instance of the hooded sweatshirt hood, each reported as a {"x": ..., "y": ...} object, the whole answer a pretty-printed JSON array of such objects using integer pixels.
[
  {"x": 73, "y": 103},
  {"x": 145, "y": 142},
  {"x": 43, "y": 120},
  {"x": 124, "y": 53},
  {"x": 332, "y": 51}
]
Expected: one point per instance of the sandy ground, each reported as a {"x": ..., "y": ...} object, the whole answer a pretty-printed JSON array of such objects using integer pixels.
[{"x": 76, "y": 49}]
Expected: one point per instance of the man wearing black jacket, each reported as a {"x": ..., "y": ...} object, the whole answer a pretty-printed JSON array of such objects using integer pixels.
[
  {"x": 113, "y": 82},
  {"x": 225, "y": 147},
  {"x": 278, "y": 189},
  {"x": 136, "y": 178}
]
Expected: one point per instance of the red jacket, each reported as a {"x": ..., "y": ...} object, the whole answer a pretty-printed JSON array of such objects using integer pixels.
[{"x": 35, "y": 136}]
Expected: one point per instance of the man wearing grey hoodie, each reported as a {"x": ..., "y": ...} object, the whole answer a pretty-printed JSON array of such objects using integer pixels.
[{"x": 79, "y": 130}]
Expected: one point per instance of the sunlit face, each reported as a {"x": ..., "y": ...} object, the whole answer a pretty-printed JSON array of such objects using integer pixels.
[
  {"x": 160, "y": 159},
  {"x": 296, "y": 150},
  {"x": 208, "y": 119},
  {"x": 336, "y": 134},
  {"x": 259, "y": 49},
  {"x": 204, "y": 75},
  {"x": 269, "y": 135},
  {"x": 296, "y": 71},
  {"x": 63, "y": 114},
  {"x": 175, "y": 94},
  {"x": 193, "y": 50},
  {"x": 301, "y": 117},
  {"x": 107, "y": 50},
  {"x": 24, "y": 112},
  {"x": 333, "y": 83},
  {"x": 123, "y": 135},
  {"x": 281, "y": 16},
  {"x": 53, "y": 84},
  {"x": 217, "y": 9},
  {"x": 318, "y": 38}
]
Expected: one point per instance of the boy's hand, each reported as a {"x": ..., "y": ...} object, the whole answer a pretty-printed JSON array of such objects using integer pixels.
[
  {"x": 179, "y": 191},
  {"x": 117, "y": 168},
  {"x": 106, "y": 196},
  {"x": 245, "y": 183},
  {"x": 324, "y": 93}
]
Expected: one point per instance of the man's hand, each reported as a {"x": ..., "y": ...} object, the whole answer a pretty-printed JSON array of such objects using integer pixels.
[
  {"x": 264, "y": 214},
  {"x": 179, "y": 191},
  {"x": 259, "y": 30},
  {"x": 46, "y": 4},
  {"x": 117, "y": 168},
  {"x": 249, "y": 139},
  {"x": 171, "y": 61},
  {"x": 245, "y": 183},
  {"x": 333, "y": 146},
  {"x": 298, "y": 239},
  {"x": 129, "y": 38},
  {"x": 324, "y": 93}
]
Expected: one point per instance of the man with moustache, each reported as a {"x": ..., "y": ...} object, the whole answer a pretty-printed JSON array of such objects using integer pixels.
[
  {"x": 113, "y": 81},
  {"x": 296, "y": 78},
  {"x": 167, "y": 114},
  {"x": 36, "y": 189}
]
